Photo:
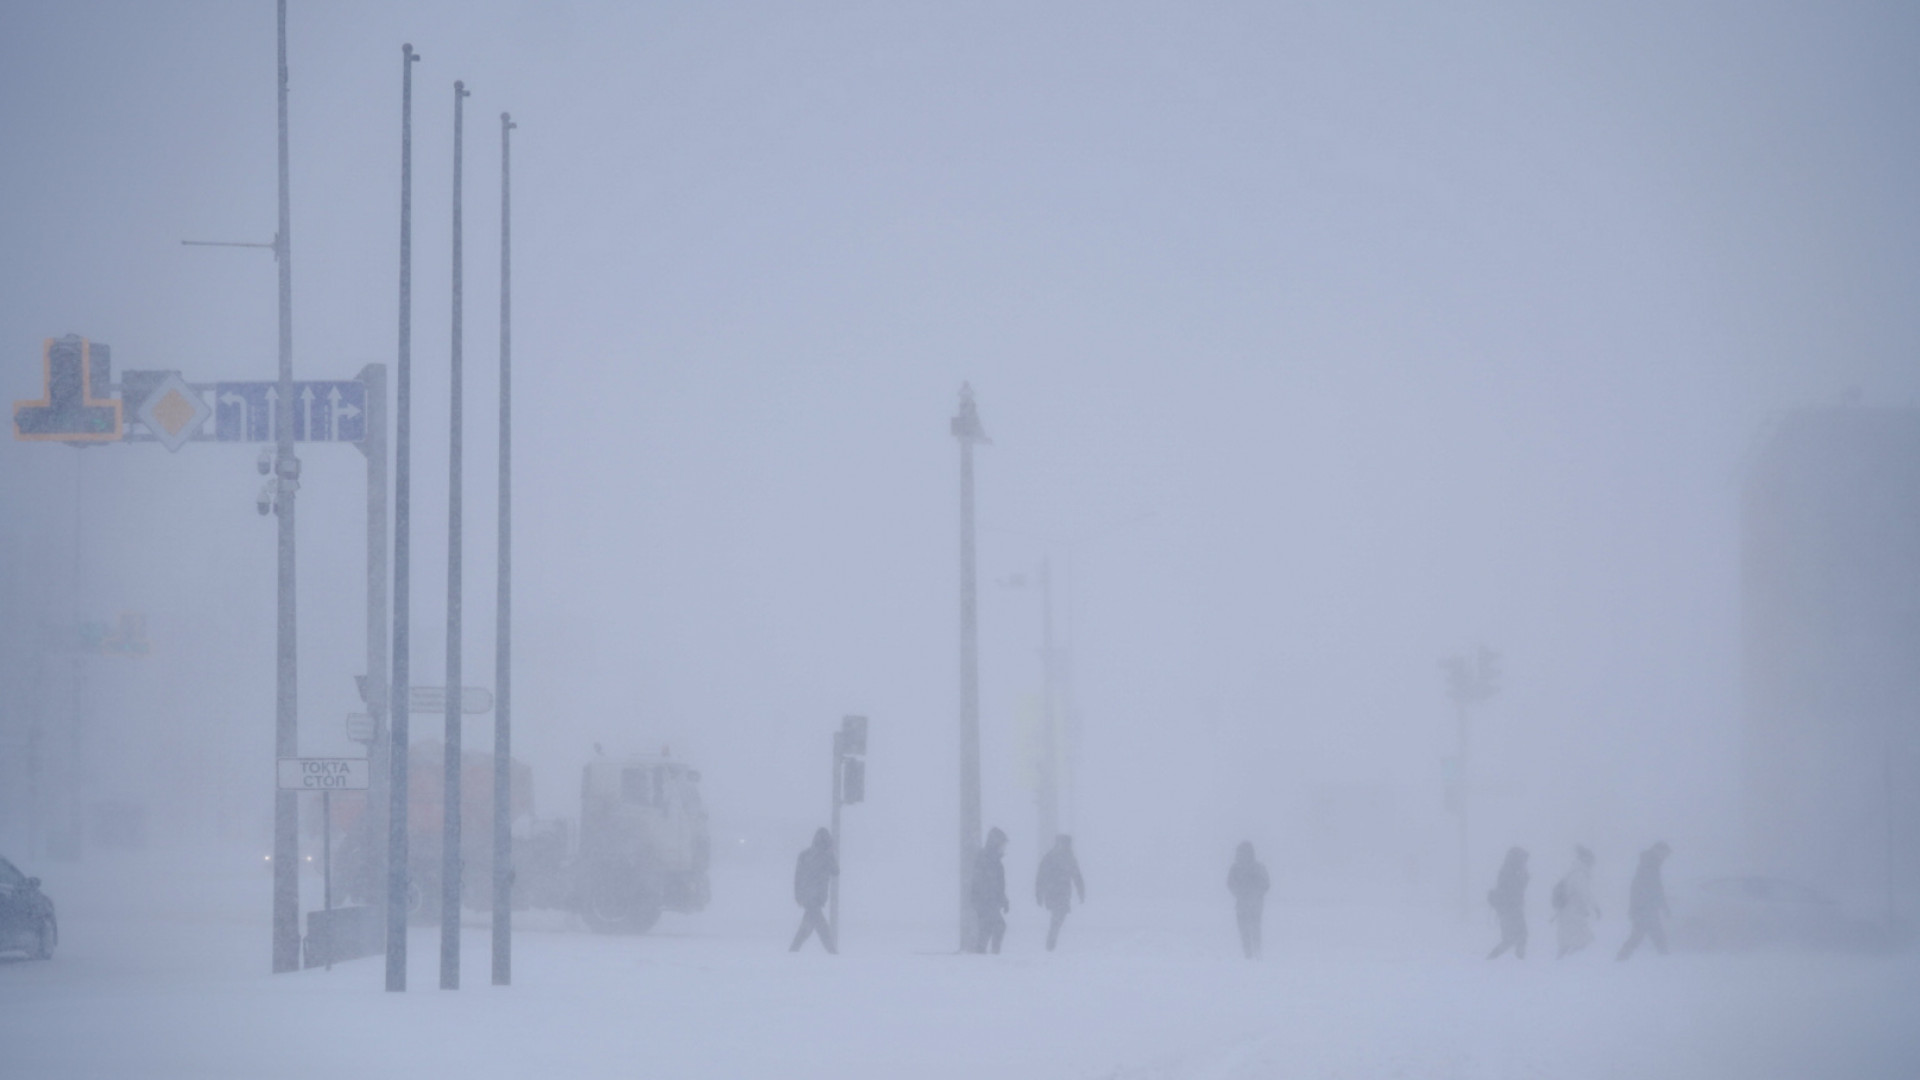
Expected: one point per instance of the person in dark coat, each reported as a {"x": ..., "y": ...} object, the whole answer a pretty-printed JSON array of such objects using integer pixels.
[
  {"x": 1647, "y": 902},
  {"x": 813, "y": 876},
  {"x": 1509, "y": 899},
  {"x": 989, "y": 894},
  {"x": 1247, "y": 881},
  {"x": 1055, "y": 884}
]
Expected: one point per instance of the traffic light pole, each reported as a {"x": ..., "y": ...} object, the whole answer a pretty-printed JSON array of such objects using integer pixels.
[
  {"x": 286, "y": 811},
  {"x": 398, "y": 692},
  {"x": 849, "y": 786}
]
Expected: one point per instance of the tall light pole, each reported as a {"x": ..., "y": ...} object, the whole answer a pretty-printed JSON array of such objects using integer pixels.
[
  {"x": 286, "y": 728},
  {"x": 283, "y": 484},
  {"x": 1471, "y": 680},
  {"x": 503, "y": 604},
  {"x": 399, "y": 694},
  {"x": 966, "y": 428},
  {"x": 450, "y": 835}
]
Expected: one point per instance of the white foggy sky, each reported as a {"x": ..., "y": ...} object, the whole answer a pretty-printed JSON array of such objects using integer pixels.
[{"x": 1412, "y": 328}]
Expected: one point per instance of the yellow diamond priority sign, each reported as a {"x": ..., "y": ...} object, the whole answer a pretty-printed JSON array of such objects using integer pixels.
[{"x": 173, "y": 411}]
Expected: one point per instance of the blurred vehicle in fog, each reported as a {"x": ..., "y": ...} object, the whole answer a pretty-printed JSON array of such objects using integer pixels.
[{"x": 1759, "y": 912}]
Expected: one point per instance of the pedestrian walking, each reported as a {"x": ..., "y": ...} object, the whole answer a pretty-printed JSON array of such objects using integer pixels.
[
  {"x": 813, "y": 875},
  {"x": 1647, "y": 902},
  {"x": 1247, "y": 881},
  {"x": 1056, "y": 883},
  {"x": 989, "y": 894},
  {"x": 1509, "y": 900},
  {"x": 1573, "y": 906}
]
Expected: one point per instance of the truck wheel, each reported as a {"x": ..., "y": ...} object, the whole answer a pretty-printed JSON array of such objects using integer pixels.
[
  {"x": 618, "y": 903},
  {"x": 644, "y": 916}
]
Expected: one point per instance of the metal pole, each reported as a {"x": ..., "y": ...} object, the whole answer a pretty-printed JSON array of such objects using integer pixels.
[
  {"x": 286, "y": 810},
  {"x": 966, "y": 428},
  {"x": 1047, "y": 796},
  {"x": 450, "y": 836},
  {"x": 370, "y": 866},
  {"x": 833, "y": 883},
  {"x": 503, "y": 604},
  {"x": 77, "y": 671},
  {"x": 398, "y": 705},
  {"x": 326, "y": 868}
]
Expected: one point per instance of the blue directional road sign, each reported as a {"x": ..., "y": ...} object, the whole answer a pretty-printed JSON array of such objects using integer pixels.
[{"x": 333, "y": 411}]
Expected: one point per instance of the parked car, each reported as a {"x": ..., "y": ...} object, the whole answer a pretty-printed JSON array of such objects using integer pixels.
[
  {"x": 27, "y": 923},
  {"x": 1756, "y": 912}
]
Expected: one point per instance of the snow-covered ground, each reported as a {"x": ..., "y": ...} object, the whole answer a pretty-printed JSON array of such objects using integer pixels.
[{"x": 161, "y": 973}]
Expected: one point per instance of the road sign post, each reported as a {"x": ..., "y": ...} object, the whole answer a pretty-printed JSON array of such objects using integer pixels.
[
  {"x": 325, "y": 775},
  {"x": 849, "y": 787}
]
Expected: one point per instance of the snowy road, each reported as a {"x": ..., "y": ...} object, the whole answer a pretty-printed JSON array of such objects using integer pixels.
[{"x": 179, "y": 990}]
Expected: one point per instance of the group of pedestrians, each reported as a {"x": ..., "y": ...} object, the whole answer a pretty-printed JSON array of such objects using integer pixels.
[
  {"x": 1574, "y": 907},
  {"x": 1055, "y": 886},
  {"x": 1058, "y": 883}
]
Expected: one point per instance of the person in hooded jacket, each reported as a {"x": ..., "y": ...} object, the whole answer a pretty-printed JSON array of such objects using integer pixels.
[
  {"x": 1247, "y": 881},
  {"x": 1573, "y": 906},
  {"x": 1055, "y": 884},
  {"x": 813, "y": 875},
  {"x": 988, "y": 894},
  {"x": 1509, "y": 900},
  {"x": 1647, "y": 902}
]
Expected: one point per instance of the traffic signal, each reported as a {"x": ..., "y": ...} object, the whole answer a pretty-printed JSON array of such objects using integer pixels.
[
  {"x": 853, "y": 781},
  {"x": 76, "y": 405},
  {"x": 853, "y": 735}
]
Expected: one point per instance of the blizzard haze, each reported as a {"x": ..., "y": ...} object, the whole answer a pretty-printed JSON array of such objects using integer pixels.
[{"x": 1317, "y": 343}]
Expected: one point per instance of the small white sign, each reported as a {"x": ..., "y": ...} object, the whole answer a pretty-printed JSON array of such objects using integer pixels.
[
  {"x": 325, "y": 774},
  {"x": 360, "y": 727}
]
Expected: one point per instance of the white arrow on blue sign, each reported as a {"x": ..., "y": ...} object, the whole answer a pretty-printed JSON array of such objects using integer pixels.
[{"x": 331, "y": 411}]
